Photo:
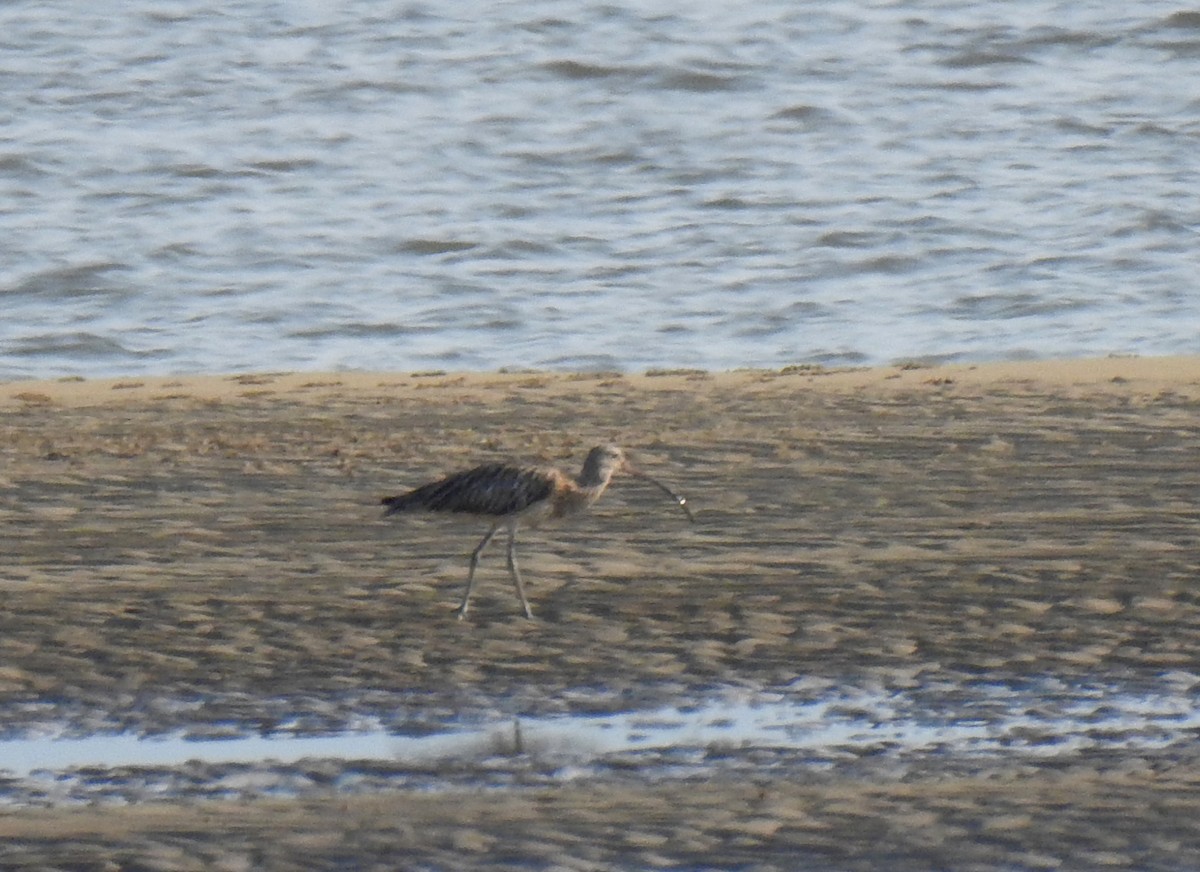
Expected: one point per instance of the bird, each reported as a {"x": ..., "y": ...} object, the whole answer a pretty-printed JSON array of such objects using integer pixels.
[{"x": 508, "y": 495}]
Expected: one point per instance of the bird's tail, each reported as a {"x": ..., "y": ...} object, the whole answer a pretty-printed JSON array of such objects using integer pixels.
[{"x": 398, "y": 504}]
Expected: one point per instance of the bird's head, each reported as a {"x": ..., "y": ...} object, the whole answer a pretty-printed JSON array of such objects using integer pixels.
[{"x": 603, "y": 461}]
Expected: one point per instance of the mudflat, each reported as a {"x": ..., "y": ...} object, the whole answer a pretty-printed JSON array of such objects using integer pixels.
[{"x": 207, "y": 553}]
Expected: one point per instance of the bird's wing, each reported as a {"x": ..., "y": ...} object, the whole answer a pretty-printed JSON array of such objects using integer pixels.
[{"x": 491, "y": 489}]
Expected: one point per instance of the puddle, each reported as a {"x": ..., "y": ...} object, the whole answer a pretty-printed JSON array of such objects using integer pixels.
[{"x": 821, "y": 722}]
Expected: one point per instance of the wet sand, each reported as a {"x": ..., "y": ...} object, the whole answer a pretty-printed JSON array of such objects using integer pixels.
[{"x": 207, "y": 553}]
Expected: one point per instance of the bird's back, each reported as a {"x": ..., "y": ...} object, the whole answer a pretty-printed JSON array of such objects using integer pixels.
[{"x": 495, "y": 489}]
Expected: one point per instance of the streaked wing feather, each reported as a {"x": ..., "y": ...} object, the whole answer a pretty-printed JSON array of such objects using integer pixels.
[{"x": 491, "y": 489}]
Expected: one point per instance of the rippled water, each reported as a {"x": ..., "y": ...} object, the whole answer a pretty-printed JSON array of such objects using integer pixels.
[{"x": 196, "y": 186}]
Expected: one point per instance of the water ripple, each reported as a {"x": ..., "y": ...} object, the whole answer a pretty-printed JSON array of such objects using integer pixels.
[{"x": 923, "y": 181}]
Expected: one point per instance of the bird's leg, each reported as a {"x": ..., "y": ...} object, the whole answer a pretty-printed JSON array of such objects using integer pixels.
[
  {"x": 512, "y": 568},
  {"x": 466, "y": 600}
]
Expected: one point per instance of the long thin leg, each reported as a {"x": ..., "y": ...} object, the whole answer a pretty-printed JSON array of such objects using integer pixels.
[
  {"x": 516, "y": 573},
  {"x": 466, "y": 600}
]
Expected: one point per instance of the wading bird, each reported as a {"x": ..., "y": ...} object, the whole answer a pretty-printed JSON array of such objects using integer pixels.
[{"x": 506, "y": 496}]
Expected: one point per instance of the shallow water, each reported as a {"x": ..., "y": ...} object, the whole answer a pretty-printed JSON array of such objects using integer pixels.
[
  {"x": 194, "y": 187},
  {"x": 810, "y": 725}
]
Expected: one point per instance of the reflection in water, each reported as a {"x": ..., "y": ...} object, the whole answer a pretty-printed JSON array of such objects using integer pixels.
[{"x": 1034, "y": 721}]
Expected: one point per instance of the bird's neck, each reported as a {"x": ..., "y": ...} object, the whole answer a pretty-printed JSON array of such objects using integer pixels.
[
  {"x": 589, "y": 493},
  {"x": 587, "y": 489}
]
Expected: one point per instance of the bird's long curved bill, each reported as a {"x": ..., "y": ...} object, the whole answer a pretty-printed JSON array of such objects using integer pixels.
[{"x": 682, "y": 501}]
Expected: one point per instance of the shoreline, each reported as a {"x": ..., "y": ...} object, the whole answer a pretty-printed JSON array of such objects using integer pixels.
[{"x": 1113, "y": 373}]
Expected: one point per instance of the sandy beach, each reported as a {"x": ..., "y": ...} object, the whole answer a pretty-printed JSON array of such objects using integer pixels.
[{"x": 218, "y": 540}]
